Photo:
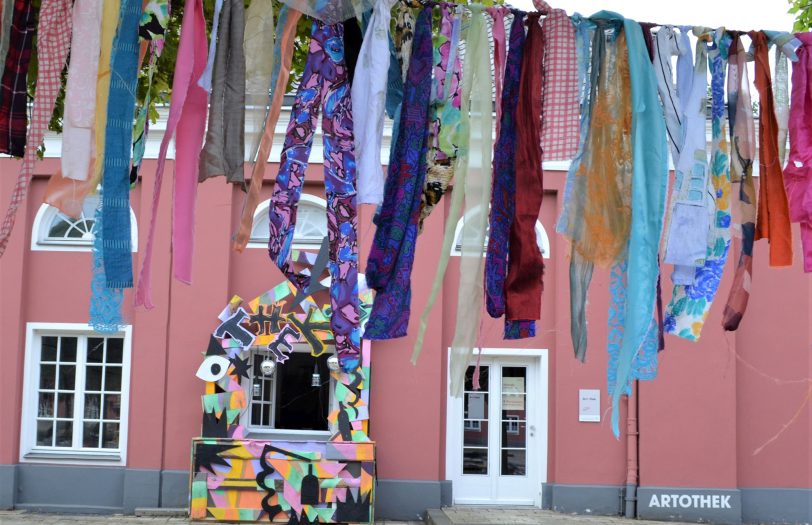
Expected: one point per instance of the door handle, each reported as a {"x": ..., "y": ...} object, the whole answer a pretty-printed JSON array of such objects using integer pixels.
[{"x": 532, "y": 430}]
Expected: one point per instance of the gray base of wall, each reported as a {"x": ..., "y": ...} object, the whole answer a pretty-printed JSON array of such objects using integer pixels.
[
  {"x": 776, "y": 505},
  {"x": 397, "y": 499},
  {"x": 90, "y": 490},
  {"x": 110, "y": 490},
  {"x": 601, "y": 500}
]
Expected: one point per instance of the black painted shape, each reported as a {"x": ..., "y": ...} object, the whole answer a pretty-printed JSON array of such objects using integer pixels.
[
  {"x": 214, "y": 427},
  {"x": 232, "y": 327},
  {"x": 307, "y": 329},
  {"x": 241, "y": 367},
  {"x": 316, "y": 271},
  {"x": 281, "y": 340},
  {"x": 267, "y": 470},
  {"x": 344, "y": 427},
  {"x": 310, "y": 487},
  {"x": 352, "y": 511},
  {"x": 215, "y": 348},
  {"x": 265, "y": 323},
  {"x": 208, "y": 454}
]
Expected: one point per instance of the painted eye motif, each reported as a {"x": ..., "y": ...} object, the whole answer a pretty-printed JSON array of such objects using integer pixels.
[{"x": 213, "y": 368}]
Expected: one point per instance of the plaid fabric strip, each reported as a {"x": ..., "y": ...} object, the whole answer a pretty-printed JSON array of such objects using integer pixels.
[
  {"x": 53, "y": 43},
  {"x": 561, "y": 112},
  {"x": 13, "y": 96}
]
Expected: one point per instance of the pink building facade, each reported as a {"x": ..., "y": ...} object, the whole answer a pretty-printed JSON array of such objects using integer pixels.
[{"x": 90, "y": 425}]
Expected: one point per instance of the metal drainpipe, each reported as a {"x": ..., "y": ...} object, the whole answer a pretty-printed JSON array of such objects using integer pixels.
[{"x": 632, "y": 465}]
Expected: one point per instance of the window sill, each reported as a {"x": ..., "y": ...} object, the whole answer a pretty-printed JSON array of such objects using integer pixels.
[
  {"x": 73, "y": 456},
  {"x": 288, "y": 435}
]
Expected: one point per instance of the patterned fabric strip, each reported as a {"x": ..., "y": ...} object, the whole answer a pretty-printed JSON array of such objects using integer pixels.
[
  {"x": 110, "y": 17},
  {"x": 116, "y": 235},
  {"x": 503, "y": 194},
  {"x": 443, "y": 112},
  {"x": 104, "y": 312},
  {"x": 191, "y": 60},
  {"x": 260, "y": 62},
  {"x": 224, "y": 150},
  {"x": 649, "y": 188},
  {"x": 560, "y": 126},
  {"x": 6, "y": 14},
  {"x": 525, "y": 263},
  {"x": 324, "y": 86},
  {"x": 283, "y": 53},
  {"x": 743, "y": 140},
  {"x": 690, "y": 305},
  {"x": 773, "y": 209},
  {"x": 392, "y": 254},
  {"x": 152, "y": 29},
  {"x": 13, "y": 87},
  {"x": 53, "y": 43}
]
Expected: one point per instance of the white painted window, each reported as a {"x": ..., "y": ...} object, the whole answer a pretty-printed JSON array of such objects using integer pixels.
[
  {"x": 75, "y": 398},
  {"x": 295, "y": 399},
  {"x": 55, "y": 231},
  {"x": 541, "y": 239},
  {"x": 310, "y": 229}
]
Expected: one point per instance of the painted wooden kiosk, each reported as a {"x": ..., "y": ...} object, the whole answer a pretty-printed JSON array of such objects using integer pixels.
[{"x": 239, "y": 479}]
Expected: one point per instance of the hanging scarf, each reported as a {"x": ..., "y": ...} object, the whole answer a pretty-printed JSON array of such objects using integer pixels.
[
  {"x": 104, "y": 313},
  {"x": 688, "y": 230},
  {"x": 743, "y": 138},
  {"x": 444, "y": 112},
  {"x": 560, "y": 122},
  {"x": 773, "y": 210},
  {"x": 330, "y": 11},
  {"x": 462, "y": 139},
  {"x": 110, "y": 19},
  {"x": 6, "y": 15},
  {"x": 152, "y": 29},
  {"x": 596, "y": 215},
  {"x": 503, "y": 195},
  {"x": 13, "y": 86},
  {"x": 525, "y": 264},
  {"x": 690, "y": 305},
  {"x": 649, "y": 179},
  {"x": 325, "y": 82},
  {"x": 187, "y": 116},
  {"x": 80, "y": 90},
  {"x": 369, "y": 98},
  {"x": 224, "y": 150},
  {"x": 477, "y": 194},
  {"x": 116, "y": 234},
  {"x": 54, "y": 33},
  {"x": 392, "y": 254},
  {"x": 283, "y": 56},
  {"x": 580, "y": 270},
  {"x": 666, "y": 44},
  {"x": 402, "y": 49},
  {"x": 205, "y": 77},
  {"x": 260, "y": 61},
  {"x": 798, "y": 173}
]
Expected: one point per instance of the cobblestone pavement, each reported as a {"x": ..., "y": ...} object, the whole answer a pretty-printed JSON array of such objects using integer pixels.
[{"x": 19, "y": 517}]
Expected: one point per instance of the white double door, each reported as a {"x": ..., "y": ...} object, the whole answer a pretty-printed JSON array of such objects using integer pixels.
[{"x": 496, "y": 451}]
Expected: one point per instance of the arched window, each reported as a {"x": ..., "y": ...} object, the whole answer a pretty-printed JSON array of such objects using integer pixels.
[
  {"x": 55, "y": 231},
  {"x": 541, "y": 239},
  {"x": 310, "y": 229}
]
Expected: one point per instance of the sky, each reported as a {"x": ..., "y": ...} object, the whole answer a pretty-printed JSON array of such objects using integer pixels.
[{"x": 742, "y": 15}]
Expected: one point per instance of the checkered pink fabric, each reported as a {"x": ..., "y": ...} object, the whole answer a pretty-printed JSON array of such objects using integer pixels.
[
  {"x": 560, "y": 110},
  {"x": 53, "y": 43}
]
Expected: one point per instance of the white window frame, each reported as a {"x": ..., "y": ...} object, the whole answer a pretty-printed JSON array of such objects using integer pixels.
[
  {"x": 29, "y": 451},
  {"x": 42, "y": 224},
  {"x": 268, "y": 433},
  {"x": 542, "y": 240},
  {"x": 298, "y": 244}
]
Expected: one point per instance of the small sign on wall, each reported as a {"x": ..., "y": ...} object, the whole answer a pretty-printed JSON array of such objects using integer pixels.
[{"x": 589, "y": 405}]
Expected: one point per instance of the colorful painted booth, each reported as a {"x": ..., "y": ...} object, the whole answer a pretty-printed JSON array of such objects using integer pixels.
[{"x": 261, "y": 396}]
